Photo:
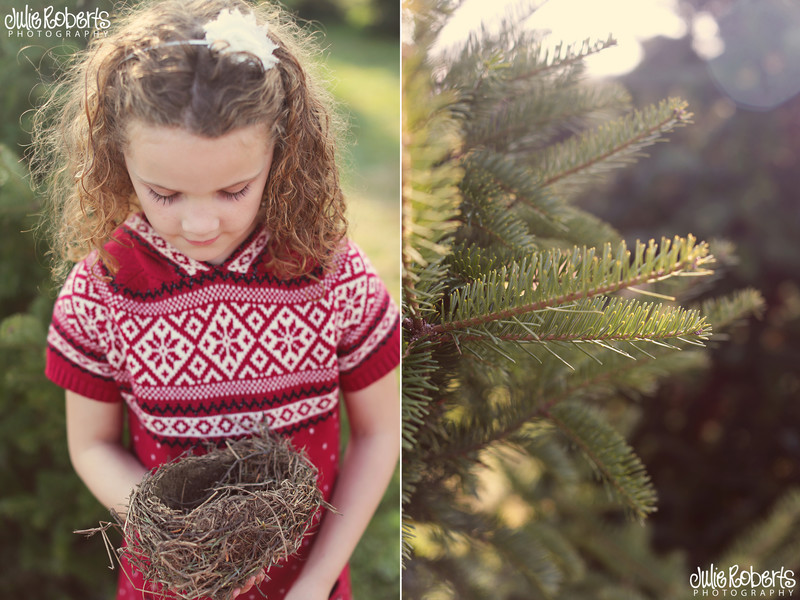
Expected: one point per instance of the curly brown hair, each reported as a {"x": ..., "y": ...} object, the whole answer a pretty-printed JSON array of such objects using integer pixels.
[{"x": 80, "y": 132}]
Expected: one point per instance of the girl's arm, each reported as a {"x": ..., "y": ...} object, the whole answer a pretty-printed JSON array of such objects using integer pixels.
[
  {"x": 109, "y": 470},
  {"x": 369, "y": 461},
  {"x": 94, "y": 438}
]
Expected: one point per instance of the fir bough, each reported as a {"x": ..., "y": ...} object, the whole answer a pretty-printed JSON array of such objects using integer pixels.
[{"x": 529, "y": 325}]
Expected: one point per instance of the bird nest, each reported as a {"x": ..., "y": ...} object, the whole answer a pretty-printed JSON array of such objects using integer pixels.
[{"x": 201, "y": 526}]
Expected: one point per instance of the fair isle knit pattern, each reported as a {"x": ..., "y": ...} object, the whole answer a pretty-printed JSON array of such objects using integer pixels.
[
  {"x": 207, "y": 352},
  {"x": 202, "y": 353}
]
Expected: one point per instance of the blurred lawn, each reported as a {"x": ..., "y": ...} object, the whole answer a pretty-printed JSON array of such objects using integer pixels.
[{"x": 366, "y": 80}]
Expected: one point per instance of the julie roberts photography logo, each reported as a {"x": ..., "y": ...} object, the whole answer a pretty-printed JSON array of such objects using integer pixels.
[
  {"x": 738, "y": 582},
  {"x": 55, "y": 22}
]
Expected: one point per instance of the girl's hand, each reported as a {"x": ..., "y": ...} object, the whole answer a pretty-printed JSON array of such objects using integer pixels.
[{"x": 254, "y": 580}]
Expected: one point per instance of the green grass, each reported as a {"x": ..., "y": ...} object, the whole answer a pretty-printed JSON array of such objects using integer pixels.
[{"x": 366, "y": 80}]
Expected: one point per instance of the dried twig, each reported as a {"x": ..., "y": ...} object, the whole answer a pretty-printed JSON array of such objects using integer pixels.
[{"x": 201, "y": 526}]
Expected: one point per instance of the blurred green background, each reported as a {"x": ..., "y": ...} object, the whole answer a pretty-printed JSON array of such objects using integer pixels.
[{"x": 41, "y": 499}]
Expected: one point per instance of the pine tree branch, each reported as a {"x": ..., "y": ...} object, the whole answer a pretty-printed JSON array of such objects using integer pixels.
[
  {"x": 723, "y": 312},
  {"x": 458, "y": 576},
  {"x": 416, "y": 392},
  {"x": 578, "y": 338},
  {"x": 492, "y": 165},
  {"x": 584, "y": 154},
  {"x": 629, "y": 559},
  {"x": 608, "y": 452},
  {"x": 509, "y": 178},
  {"x": 767, "y": 543},
  {"x": 569, "y": 58},
  {"x": 493, "y": 234},
  {"x": 523, "y": 552},
  {"x": 513, "y": 47},
  {"x": 560, "y": 280},
  {"x": 733, "y": 308},
  {"x": 512, "y": 125},
  {"x": 428, "y": 200},
  {"x": 409, "y": 292},
  {"x": 612, "y": 374},
  {"x": 524, "y": 418},
  {"x": 599, "y": 320},
  {"x": 665, "y": 124}
]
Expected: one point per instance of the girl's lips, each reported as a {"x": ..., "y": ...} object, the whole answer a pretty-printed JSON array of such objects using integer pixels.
[{"x": 203, "y": 242}]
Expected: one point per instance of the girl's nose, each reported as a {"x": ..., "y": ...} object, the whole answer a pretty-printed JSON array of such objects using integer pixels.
[{"x": 198, "y": 221}]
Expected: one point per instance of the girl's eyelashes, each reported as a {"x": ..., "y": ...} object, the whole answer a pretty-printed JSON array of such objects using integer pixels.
[
  {"x": 237, "y": 195},
  {"x": 161, "y": 198},
  {"x": 171, "y": 197}
]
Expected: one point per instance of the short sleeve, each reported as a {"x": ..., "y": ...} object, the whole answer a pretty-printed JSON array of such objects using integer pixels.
[
  {"x": 368, "y": 321},
  {"x": 77, "y": 341}
]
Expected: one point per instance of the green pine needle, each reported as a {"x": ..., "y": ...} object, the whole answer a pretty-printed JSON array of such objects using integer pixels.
[{"x": 612, "y": 458}]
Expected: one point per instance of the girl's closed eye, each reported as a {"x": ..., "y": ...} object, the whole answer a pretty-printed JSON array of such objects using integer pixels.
[
  {"x": 164, "y": 199},
  {"x": 170, "y": 198},
  {"x": 237, "y": 195}
]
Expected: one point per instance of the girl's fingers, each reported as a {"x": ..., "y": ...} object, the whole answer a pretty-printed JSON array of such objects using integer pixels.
[
  {"x": 254, "y": 580},
  {"x": 244, "y": 588}
]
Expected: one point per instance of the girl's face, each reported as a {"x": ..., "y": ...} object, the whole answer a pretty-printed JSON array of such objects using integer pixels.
[{"x": 202, "y": 195}]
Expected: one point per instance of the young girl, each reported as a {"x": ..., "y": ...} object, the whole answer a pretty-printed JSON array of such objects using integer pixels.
[{"x": 196, "y": 189}]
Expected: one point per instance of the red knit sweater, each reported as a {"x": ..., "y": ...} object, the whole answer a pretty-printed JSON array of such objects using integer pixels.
[{"x": 200, "y": 352}]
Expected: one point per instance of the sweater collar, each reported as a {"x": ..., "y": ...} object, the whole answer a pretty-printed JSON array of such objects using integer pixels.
[{"x": 238, "y": 262}]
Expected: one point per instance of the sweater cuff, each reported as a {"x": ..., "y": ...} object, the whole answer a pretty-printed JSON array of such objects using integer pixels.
[
  {"x": 381, "y": 361},
  {"x": 68, "y": 376}
]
